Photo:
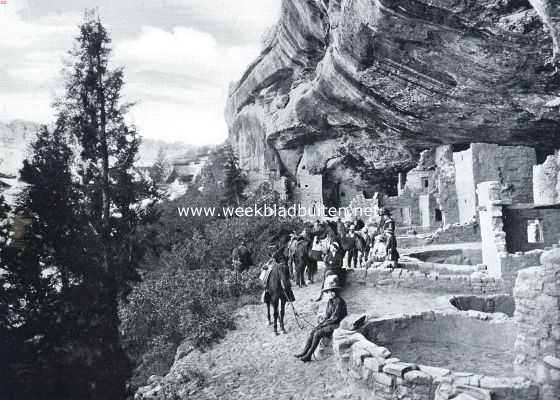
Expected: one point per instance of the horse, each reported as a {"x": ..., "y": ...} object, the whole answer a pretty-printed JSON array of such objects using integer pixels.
[
  {"x": 278, "y": 291},
  {"x": 302, "y": 259},
  {"x": 327, "y": 230}
]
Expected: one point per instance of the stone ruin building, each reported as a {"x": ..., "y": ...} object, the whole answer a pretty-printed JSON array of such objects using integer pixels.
[
  {"x": 526, "y": 363},
  {"x": 388, "y": 103}
]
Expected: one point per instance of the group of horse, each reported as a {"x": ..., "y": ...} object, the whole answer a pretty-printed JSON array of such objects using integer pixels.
[{"x": 302, "y": 254}]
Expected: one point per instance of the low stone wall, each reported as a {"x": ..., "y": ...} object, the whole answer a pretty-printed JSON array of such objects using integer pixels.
[
  {"x": 478, "y": 282},
  {"x": 376, "y": 374},
  {"x": 442, "y": 269},
  {"x": 456, "y": 233},
  {"x": 457, "y": 256}
]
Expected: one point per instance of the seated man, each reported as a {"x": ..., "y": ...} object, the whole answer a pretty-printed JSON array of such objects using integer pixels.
[
  {"x": 379, "y": 250},
  {"x": 334, "y": 313}
]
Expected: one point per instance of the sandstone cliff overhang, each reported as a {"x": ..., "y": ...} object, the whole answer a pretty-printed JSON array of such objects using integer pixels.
[{"x": 383, "y": 79}]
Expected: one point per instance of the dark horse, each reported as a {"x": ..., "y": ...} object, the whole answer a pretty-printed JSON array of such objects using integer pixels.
[
  {"x": 278, "y": 290},
  {"x": 303, "y": 258}
]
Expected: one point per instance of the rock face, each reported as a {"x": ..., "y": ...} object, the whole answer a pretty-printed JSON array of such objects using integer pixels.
[
  {"x": 367, "y": 84},
  {"x": 15, "y": 138}
]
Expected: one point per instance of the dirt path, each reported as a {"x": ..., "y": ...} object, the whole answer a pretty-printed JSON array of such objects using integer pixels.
[{"x": 252, "y": 363}]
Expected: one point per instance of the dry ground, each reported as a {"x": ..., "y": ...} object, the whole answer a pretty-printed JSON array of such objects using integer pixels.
[{"x": 252, "y": 363}]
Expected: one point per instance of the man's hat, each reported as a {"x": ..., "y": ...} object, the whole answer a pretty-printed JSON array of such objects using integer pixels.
[
  {"x": 335, "y": 244},
  {"x": 331, "y": 283},
  {"x": 385, "y": 211}
]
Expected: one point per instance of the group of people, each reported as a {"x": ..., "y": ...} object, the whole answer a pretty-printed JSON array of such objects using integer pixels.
[
  {"x": 332, "y": 243},
  {"x": 373, "y": 243}
]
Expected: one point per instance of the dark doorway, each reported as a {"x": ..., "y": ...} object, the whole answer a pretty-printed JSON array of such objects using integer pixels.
[{"x": 438, "y": 215}]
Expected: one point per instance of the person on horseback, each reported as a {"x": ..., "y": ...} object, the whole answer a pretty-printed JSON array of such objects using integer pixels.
[
  {"x": 335, "y": 312},
  {"x": 333, "y": 265}
]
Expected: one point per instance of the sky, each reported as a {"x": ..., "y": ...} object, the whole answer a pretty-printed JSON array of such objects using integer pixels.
[{"x": 179, "y": 57}]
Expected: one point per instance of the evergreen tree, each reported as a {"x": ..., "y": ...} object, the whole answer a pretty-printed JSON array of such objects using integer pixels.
[
  {"x": 161, "y": 167},
  {"x": 52, "y": 197},
  {"x": 86, "y": 240},
  {"x": 235, "y": 180},
  {"x": 92, "y": 112}
]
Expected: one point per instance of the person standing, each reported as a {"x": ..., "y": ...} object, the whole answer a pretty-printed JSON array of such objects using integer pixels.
[
  {"x": 391, "y": 247},
  {"x": 340, "y": 228},
  {"x": 241, "y": 257},
  {"x": 333, "y": 265},
  {"x": 335, "y": 312},
  {"x": 387, "y": 221},
  {"x": 349, "y": 246}
]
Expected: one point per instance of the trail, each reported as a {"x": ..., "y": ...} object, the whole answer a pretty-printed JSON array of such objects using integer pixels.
[{"x": 252, "y": 363}]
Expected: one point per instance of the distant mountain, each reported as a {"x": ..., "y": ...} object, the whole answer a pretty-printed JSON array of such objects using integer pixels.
[
  {"x": 150, "y": 147},
  {"x": 16, "y": 136}
]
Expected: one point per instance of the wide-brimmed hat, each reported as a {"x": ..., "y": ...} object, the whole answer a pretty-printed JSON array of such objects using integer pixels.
[
  {"x": 335, "y": 244},
  {"x": 385, "y": 211},
  {"x": 331, "y": 283}
]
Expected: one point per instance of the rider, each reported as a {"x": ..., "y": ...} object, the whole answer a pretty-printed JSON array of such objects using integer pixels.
[{"x": 334, "y": 313}]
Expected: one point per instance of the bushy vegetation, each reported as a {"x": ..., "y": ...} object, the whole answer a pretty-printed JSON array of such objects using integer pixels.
[
  {"x": 189, "y": 290},
  {"x": 103, "y": 286}
]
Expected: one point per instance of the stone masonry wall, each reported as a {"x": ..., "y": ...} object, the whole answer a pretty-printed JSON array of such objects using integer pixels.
[
  {"x": 456, "y": 233},
  {"x": 515, "y": 227},
  {"x": 510, "y": 166},
  {"x": 446, "y": 194},
  {"x": 435, "y": 280},
  {"x": 375, "y": 374},
  {"x": 545, "y": 180},
  {"x": 491, "y": 226},
  {"x": 537, "y": 298},
  {"x": 465, "y": 185},
  {"x": 309, "y": 190},
  {"x": 404, "y": 209},
  {"x": 500, "y": 264}
]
